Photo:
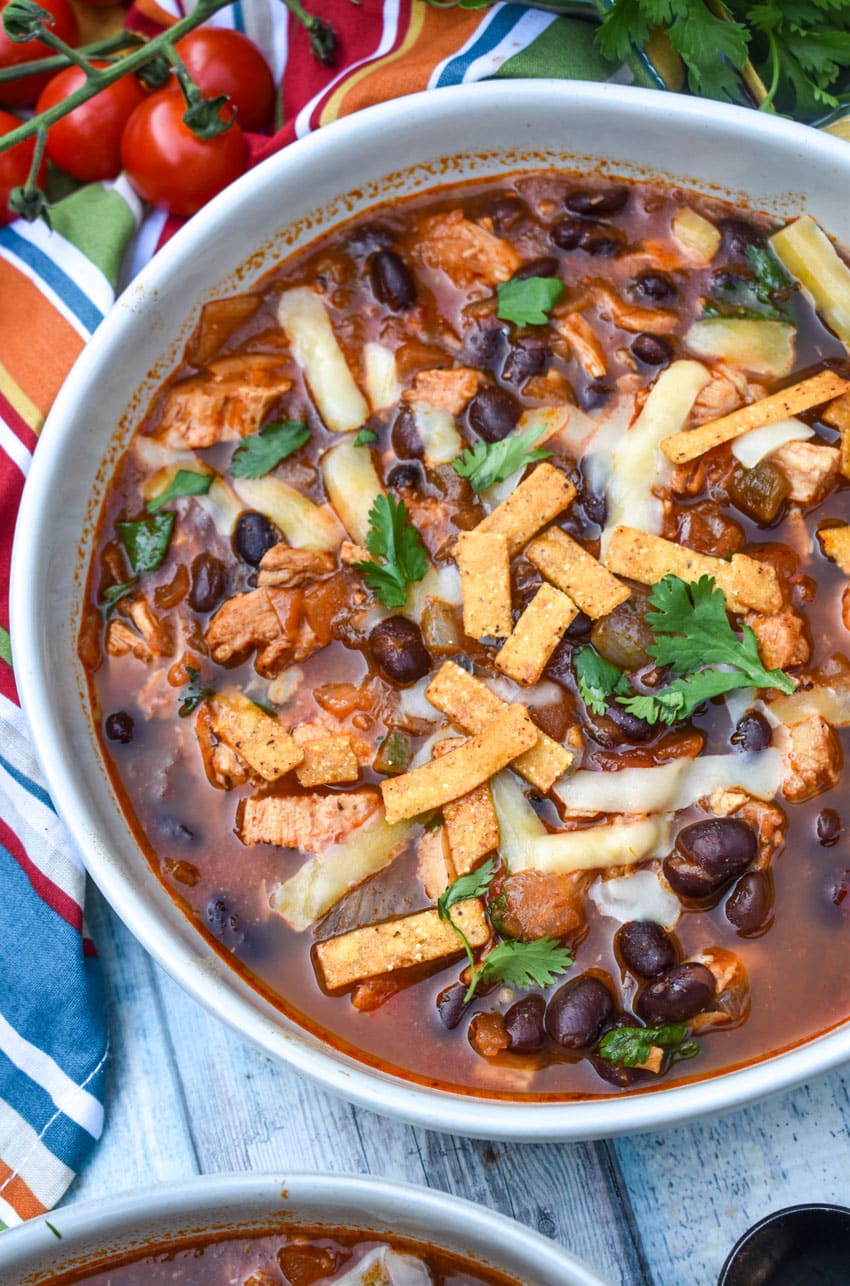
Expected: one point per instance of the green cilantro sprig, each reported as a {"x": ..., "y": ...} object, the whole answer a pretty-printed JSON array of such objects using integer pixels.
[
  {"x": 194, "y": 693},
  {"x": 631, "y": 1046},
  {"x": 762, "y": 297},
  {"x": 365, "y": 437},
  {"x": 261, "y": 452},
  {"x": 597, "y": 679},
  {"x": 186, "y": 482},
  {"x": 489, "y": 462},
  {"x": 527, "y": 301},
  {"x": 392, "y": 538}
]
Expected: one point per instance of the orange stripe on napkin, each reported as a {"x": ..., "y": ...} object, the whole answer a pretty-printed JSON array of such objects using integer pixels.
[
  {"x": 19, "y": 1196},
  {"x": 38, "y": 345}
]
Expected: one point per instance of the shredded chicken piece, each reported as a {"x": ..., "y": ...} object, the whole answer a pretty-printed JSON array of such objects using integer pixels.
[
  {"x": 433, "y": 863},
  {"x": 465, "y": 250},
  {"x": 285, "y": 568},
  {"x": 812, "y": 754},
  {"x": 782, "y": 639},
  {"x": 727, "y": 389},
  {"x": 658, "y": 321},
  {"x": 156, "y": 633},
  {"x": 447, "y": 390},
  {"x": 487, "y": 1034},
  {"x": 227, "y": 401},
  {"x": 811, "y": 468},
  {"x": 224, "y": 767},
  {"x": 732, "y": 988},
  {"x": 265, "y": 619},
  {"x": 120, "y": 640},
  {"x": 585, "y": 344},
  {"x": 307, "y": 822}
]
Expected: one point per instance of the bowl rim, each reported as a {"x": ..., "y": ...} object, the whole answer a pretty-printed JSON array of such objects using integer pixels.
[
  {"x": 203, "y": 1196},
  {"x": 360, "y": 1083}
]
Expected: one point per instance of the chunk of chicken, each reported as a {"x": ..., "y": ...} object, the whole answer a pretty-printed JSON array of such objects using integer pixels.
[
  {"x": 156, "y": 633},
  {"x": 811, "y": 468},
  {"x": 629, "y": 316},
  {"x": 542, "y": 905},
  {"x": 732, "y": 988},
  {"x": 284, "y": 568},
  {"x": 433, "y": 864},
  {"x": 812, "y": 754},
  {"x": 465, "y": 250},
  {"x": 265, "y": 619},
  {"x": 310, "y": 823},
  {"x": 444, "y": 390},
  {"x": 227, "y": 401},
  {"x": 727, "y": 389},
  {"x": 767, "y": 820},
  {"x": 782, "y": 639},
  {"x": 585, "y": 344},
  {"x": 223, "y": 766},
  {"x": 121, "y": 640}
]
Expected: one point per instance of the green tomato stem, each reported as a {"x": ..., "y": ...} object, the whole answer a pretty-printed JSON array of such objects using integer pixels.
[
  {"x": 57, "y": 62},
  {"x": 48, "y": 37}
]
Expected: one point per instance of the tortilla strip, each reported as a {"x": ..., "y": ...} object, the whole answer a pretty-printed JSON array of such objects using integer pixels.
[
  {"x": 745, "y": 582},
  {"x": 485, "y": 582},
  {"x": 471, "y": 705},
  {"x": 536, "y": 635},
  {"x": 261, "y": 741},
  {"x": 575, "y": 572},
  {"x": 537, "y": 500},
  {"x": 837, "y": 416},
  {"x": 471, "y": 825},
  {"x": 398, "y": 944},
  {"x": 690, "y": 443},
  {"x": 835, "y": 543},
  {"x": 328, "y": 760},
  {"x": 457, "y": 773}
]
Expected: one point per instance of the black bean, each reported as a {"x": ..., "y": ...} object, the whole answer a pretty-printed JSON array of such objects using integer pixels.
[
  {"x": 525, "y": 358},
  {"x": 632, "y": 727},
  {"x": 578, "y": 1011},
  {"x": 406, "y": 441},
  {"x": 737, "y": 235},
  {"x": 371, "y": 236},
  {"x": 679, "y": 994},
  {"x": 505, "y": 210},
  {"x": 646, "y": 948},
  {"x": 220, "y": 916},
  {"x": 209, "y": 581},
  {"x": 493, "y": 413},
  {"x": 392, "y": 282},
  {"x": 616, "y": 1073},
  {"x": 253, "y": 537},
  {"x": 545, "y": 266},
  {"x": 524, "y": 1024},
  {"x": 748, "y": 905},
  {"x": 838, "y": 888},
  {"x": 828, "y": 827},
  {"x": 727, "y": 283},
  {"x": 579, "y": 628},
  {"x": 709, "y": 856},
  {"x": 568, "y": 234},
  {"x": 397, "y": 648},
  {"x": 597, "y": 203},
  {"x": 602, "y": 247},
  {"x": 655, "y": 285},
  {"x": 594, "y": 395},
  {"x": 652, "y": 350},
  {"x": 408, "y": 476},
  {"x": 594, "y": 503},
  {"x": 752, "y": 732},
  {"x": 484, "y": 347},
  {"x": 451, "y": 1005},
  {"x": 119, "y": 727}
]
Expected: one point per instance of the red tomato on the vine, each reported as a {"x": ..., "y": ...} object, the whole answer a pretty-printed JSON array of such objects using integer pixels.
[
  {"x": 226, "y": 62},
  {"x": 24, "y": 91},
  {"x": 169, "y": 165},
  {"x": 14, "y": 165},
  {"x": 87, "y": 142}
]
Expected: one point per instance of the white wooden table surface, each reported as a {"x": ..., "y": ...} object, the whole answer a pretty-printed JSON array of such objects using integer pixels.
[{"x": 188, "y": 1097}]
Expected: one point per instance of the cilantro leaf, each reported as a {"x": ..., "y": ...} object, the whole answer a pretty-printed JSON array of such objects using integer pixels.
[
  {"x": 679, "y": 699},
  {"x": 490, "y": 462},
  {"x": 630, "y": 1046},
  {"x": 194, "y": 693},
  {"x": 624, "y": 29},
  {"x": 393, "y": 538},
  {"x": 146, "y": 541},
  {"x": 764, "y": 296},
  {"x": 528, "y": 301},
  {"x": 113, "y": 594},
  {"x": 597, "y": 679},
  {"x": 523, "y": 964},
  {"x": 263, "y": 451},
  {"x": 184, "y": 483},
  {"x": 472, "y": 885},
  {"x": 365, "y": 437}
]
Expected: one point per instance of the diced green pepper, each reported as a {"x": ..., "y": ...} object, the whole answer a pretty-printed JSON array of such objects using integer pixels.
[
  {"x": 760, "y": 492},
  {"x": 394, "y": 754}
]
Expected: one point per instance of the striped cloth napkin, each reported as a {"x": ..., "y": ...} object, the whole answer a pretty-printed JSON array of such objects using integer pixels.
[{"x": 55, "y": 287}]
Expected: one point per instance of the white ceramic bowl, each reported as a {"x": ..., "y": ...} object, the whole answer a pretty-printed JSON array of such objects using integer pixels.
[
  {"x": 243, "y": 1203},
  {"x": 394, "y": 149}
]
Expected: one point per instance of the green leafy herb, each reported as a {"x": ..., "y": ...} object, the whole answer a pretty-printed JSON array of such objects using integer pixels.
[
  {"x": 184, "y": 483},
  {"x": 631, "y": 1046},
  {"x": 434, "y": 822},
  {"x": 394, "y": 539},
  {"x": 194, "y": 692},
  {"x": 365, "y": 437},
  {"x": 529, "y": 300},
  {"x": 473, "y": 885},
  {"x": 490, "y": 462},
  {"x": 262, "y": 703},
  {"x": 523, "y": 964},
  {"x": 692, "y": 632},
  {"x": 113, "y": 594},
  {"x": 146, "y": 541},
  {"x": 597, "y": 679},
  {"x": 261, "y": 452},
  {"x": 763, "y": 296}
]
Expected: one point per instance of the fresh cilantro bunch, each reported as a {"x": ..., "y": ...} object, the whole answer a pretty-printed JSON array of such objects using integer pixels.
[
  {"x": 393, "y": 539},
  {"x": 598, "y": 679},
  {"x": 489, "y": 462},
  {"x": 631, "y": 1046}
]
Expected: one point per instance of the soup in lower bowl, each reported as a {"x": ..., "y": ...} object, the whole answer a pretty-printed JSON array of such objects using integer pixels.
[{"x": 466, "y": 635}]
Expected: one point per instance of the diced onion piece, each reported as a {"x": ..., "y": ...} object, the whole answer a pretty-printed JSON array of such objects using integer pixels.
[
  {"x": 807, "y": 253},
  {"x": 386, "y": 1267},
  {"x": 672, "y": 786},
  {"x": 638, "y": 463},
  {"x": 304, "y": 524},
  {"x": 755, "y": 445},
  {"x": 598, "y": 847},
  {"x": 832, "y": 703},
  {"x": 442, "y": 583},
  {"x": 762, "y": 347},
  {"x": 153, "y": 454},
  {"x": 322, "y": 881},
  {"x": 519, "y": 825},
  {"x": 696, "y": 235},
  {"x": 440, "y": 439},
  {"x": 381, "y": 376},
  {"x": 314, "y": 346},
  {"x": 222, "y": 505},
  {"x": 641, "y": 895},
  {"x": 352, "y": 485}
]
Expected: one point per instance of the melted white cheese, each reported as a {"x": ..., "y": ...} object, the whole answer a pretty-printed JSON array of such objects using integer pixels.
[
  {"x": 755, "y": 445},
  {"x": 641, "y": 895},
  {"x": 314, "y": 346}
]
